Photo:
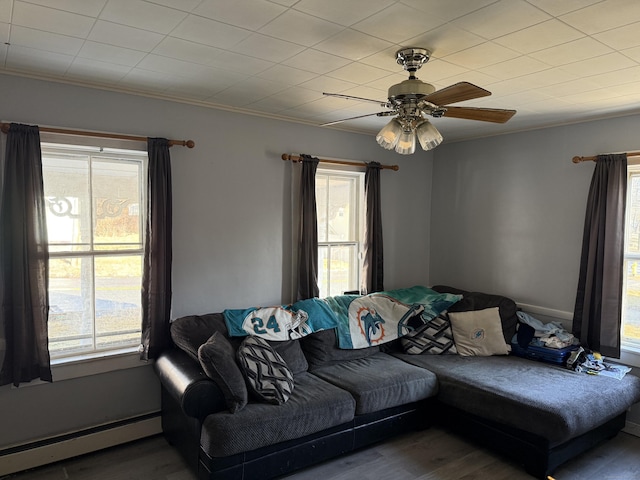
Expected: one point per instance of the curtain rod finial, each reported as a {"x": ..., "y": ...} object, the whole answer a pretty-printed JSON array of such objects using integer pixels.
[{"x": 576, "y": 159}]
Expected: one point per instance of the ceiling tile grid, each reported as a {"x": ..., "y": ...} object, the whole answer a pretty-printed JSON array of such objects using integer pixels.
[{"x": 552, "y": 61}]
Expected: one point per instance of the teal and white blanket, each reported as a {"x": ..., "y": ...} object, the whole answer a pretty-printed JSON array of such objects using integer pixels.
[{"x": 360, "y": 321}]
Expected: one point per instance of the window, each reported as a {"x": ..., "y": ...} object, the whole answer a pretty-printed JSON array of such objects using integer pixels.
[
  {"x": 340, "y": 205},
  {"x": 631, "y": 298},
  {"x": 95, "y": 216}
]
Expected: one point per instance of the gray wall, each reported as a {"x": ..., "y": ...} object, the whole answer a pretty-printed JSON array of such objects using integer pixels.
[{"x": 231, "y": 230}]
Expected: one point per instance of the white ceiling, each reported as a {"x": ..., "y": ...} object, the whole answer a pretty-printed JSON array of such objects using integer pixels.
[{"x": 554, "y": 61}]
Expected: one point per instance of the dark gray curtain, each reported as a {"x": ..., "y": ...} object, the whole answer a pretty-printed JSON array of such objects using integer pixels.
[
  {"x": 308, "y": 253},
  {"x": 156, "y": 273},
  {"x": 598, "y": 309},
  {"x": 373, "y": 266},
  {"x": 24, "y": 262}
]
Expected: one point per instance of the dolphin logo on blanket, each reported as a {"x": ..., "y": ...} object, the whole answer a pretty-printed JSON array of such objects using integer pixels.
[{"x": 368, "y": 316}]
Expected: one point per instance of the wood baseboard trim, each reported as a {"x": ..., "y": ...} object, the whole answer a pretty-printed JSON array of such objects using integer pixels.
[
  {"x": 632, "y": 428},
  {"x": 36, "y": 454}
]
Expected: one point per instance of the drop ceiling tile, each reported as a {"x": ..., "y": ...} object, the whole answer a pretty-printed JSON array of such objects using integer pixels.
[
  {"x": 145, "y": 15},
  {"x": 563, "y": 89},
  {"x": 148, "y": 81},
  {"x": 239, "y": 63},
  {"x": 286, "y": 75},
  {"x": 384, "y": 59},
  {"x": 358, "y": 73},
  {"x": 37, "y": 61},
  {"x": 556, "y": 8},
  {"x": 248, "y": 91},
  {"x": 267, "y": 48},
  {"x": 6, "y": 7},
  {"x": 323, "y": 83},
  {"x": 111, "y": 54},
  {"x": 552, "y": 76},
  {"x": 445, "y": 40},
  {"x": 515, "y": 67},
  {"x": 352, "y": 45},
  {"x": 584, "y": 48},
  {"x": 621, "y": 38},
  {"x": 291, "y": 98},
  {"x": 448, "y": 9},
  {"x": 49, "y": 42},
  {"x": 592, "y": 96},
  {"x": 188, "y": 51},
  {"x": 84, "y": 7},
  {"x": 632, "y": 53},
  {"x": 286, "y": 3},
  {"x": 4, "y": 34},
  {"x": 397, "y": 23},
  {"x": 618, "y": 77},
  {"x": 341, "y": 12},
  {"x": 173, "y": 66},
  {"x": 482, "y": 55},
  {"x": 501, "y": 18},
  {"x": 316, "y": 61},
  {"x": 603, "y": 16},
  {"x": 94, "y": 71},
  {"x": 365, "y": 91},
  {"x": 300, "y": 28},
  {"x": 383, "y": 84},
  {"x": 123, "y": 36},
  {"x": 539, "y": 37},
  {"x": 184, "y": 5},
  {"x": 51, "y": 20},
  {"x": 207, "y": 31},
  {"x": 602, "y": 64},
  {"x": 249, "y": 14},
  {"x": 436, "y": 70}
]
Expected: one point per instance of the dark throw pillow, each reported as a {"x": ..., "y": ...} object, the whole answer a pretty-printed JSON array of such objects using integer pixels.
[
  {"x": 266, "y": 373},
  {"x": 434, "y": 338},
  {"x": 217, "y": 358}
]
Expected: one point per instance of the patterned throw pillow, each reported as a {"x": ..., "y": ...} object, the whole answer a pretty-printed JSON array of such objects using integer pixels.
[
  {"x": 434, "y": 337},
  {"x": 266, "y": 373}
]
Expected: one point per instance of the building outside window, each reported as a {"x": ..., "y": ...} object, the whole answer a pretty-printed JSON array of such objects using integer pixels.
[
  {"x": 340, "y": 205},
  {"x": 631, "y": 299},
  {"x": 95, "y": 216}
]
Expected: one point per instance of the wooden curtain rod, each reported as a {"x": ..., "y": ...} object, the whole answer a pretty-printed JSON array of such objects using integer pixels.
[
  {"x": 593, "y": 158},
  {"x": 4, "y": 127},
  {"x": 297, "y": 158}
]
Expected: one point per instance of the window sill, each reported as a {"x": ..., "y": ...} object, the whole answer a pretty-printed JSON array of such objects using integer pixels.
[
  {"x": 94, "y": 364},
  {"x": 630, "y": 356}
]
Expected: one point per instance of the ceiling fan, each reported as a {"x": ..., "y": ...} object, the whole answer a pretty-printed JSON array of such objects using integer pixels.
[{"x": 411, "y": 100}]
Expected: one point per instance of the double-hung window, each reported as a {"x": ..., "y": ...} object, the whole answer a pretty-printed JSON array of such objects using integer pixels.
[
  {"x": 95, "y": 215},
  {"x": 340, "y": 207},
  {"x": 630, "y": 335}
]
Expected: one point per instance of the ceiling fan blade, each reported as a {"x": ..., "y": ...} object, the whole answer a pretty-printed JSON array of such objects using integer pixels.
[
  {"x": 458, "y": 92},
  {"x": 495, "y": 115},
  {"x": 379, "y": 114},
  {"x": 360, "y": 99}
]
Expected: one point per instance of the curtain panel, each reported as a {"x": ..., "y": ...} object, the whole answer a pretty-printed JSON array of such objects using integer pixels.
[
  {"x": 156, "y": 273},
  {"x": 24, "y": 261},
  {"x": 598, "y": 308},
  {"x": 373, "y": 266},
  {"x": 308, "y": 244}
]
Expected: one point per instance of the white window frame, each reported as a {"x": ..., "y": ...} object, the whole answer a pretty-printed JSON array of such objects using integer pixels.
[
  {"x": 136, "y": 151},
  {"x": 630, "y": 347},
  {"x": 359, "y": 220}
]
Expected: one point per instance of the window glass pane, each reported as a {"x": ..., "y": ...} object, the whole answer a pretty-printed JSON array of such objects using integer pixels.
[
  {"x": 116, "y": 201},
  {"x": 71, "y": 306},
  {"x": 631, "y": 301},
  {"x": 322, "y": 192},
  {"x": 340, "y": 209},
  {"x": 66, "y": 190},
  {"x": 118, "y": 304},
  {"x": 343, "y": 265}
]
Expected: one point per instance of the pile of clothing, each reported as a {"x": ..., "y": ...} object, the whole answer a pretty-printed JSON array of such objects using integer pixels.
[
  {"x": 532, "y": 331},
  {"x": 593, "y": 363}
]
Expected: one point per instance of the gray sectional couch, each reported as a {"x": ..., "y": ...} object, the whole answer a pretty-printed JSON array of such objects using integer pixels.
[{"x": 537, "y": 414}]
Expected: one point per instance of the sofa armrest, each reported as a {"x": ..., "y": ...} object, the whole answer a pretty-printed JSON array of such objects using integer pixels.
[{"x": 185, "y": 381}]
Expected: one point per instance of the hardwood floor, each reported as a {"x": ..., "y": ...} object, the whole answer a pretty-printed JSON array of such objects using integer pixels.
[{"x": 432, "y": 454}]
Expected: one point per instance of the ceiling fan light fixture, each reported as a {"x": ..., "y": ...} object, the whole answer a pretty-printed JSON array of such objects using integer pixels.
[
  {"x": 407, "y": 142},
  {"x": 428, "y": 135},
  {"x": 390, "y": 134}
]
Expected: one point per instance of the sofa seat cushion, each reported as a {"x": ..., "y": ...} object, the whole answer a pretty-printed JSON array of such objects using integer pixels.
[
  {"x": 380, "y": 381},
  {"x": 314, "y": 405},
  {"x": 548, "y": 401}
]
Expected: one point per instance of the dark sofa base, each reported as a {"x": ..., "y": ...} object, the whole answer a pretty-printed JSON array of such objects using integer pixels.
[
  {"x": 280, "y": 459},
  {"x": 534, "y": 453}
]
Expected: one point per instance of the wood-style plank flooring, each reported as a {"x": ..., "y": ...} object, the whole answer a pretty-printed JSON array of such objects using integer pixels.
[{"x": 432, "y": 454}]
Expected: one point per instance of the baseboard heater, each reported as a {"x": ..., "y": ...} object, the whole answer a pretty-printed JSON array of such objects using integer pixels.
[
  {"x": 632, "y": 428},
  {"x": 62, "y": 447}
]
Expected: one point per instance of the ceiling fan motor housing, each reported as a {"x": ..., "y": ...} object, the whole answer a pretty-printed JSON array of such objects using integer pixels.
[{"x": 411, "y": 89}]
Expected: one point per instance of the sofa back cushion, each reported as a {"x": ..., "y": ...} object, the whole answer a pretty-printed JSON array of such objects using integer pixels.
[
  {"x": 192, "y": 331},
  {"x": 321, "y": 348},
  {"x": 481, "y": 301}
]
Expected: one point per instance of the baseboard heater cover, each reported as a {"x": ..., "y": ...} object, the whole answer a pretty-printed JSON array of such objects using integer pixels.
[
  {"x": 632, "y": 428},
  {"x": 62, "y": 447}
]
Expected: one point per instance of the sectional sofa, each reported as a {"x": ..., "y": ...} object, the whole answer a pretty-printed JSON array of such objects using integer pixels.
[{"x": 538, "y": 415}]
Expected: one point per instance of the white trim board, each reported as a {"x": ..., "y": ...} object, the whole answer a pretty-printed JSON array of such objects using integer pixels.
[
  {"x": 632, "y": 428},
  {"x": 78, "y": 445}
]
